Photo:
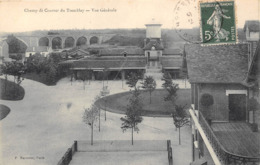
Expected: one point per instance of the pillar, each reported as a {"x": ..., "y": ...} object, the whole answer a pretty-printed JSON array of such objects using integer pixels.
[
  {"x": 50, "y": 42},
  {"x": 88, "y": 40},
  {"x": 123, "y": 75},
  {"x": 93, "y": 76},
  {"x": 99, "y": 39},
  {"x": 63, "y": 42},
  {"x": 75, "y": 41}
]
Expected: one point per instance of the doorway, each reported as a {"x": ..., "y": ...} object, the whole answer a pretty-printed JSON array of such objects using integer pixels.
[{"x": 237, "y": 107}]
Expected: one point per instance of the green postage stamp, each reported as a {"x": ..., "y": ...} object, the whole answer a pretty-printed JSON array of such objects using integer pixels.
[{"x": 218, "y": 22}]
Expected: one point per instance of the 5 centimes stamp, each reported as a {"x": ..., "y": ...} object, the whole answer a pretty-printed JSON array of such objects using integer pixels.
[{"x": 218, "y": 22}]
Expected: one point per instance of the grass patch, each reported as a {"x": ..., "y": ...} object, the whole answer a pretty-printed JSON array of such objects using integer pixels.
[
  {"x": 118, "y": 102},
  {"x": 10, "y": 90},
  {"x": 4, "y": 111}
]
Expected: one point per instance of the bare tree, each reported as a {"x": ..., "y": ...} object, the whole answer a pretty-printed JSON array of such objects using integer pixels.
[
  {"x": 133, "y": 114},
  {"x": 150, "y": 85},
  {"x": 132, "y": 80},
  {"x": 89, "y": 117},
  {"x": 180, "y": 118}
]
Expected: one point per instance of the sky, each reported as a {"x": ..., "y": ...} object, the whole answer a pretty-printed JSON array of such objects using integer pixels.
[{"x": 20, "y": 16}]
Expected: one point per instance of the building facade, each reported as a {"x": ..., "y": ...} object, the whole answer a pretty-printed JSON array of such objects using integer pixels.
[{"x": 224, "y": 78}]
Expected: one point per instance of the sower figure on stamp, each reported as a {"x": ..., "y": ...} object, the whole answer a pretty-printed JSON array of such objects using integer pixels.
[{"x": 216, "y": 20}]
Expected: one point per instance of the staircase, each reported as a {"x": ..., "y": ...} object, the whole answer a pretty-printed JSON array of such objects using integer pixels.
[{"x": 154, "y": 71}]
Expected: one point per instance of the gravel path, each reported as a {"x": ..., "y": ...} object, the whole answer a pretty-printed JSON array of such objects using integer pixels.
[{"x": 41, "y": 127}]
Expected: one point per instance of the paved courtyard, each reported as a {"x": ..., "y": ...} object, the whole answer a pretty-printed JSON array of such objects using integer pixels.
[{"x": 41, "y": 127}]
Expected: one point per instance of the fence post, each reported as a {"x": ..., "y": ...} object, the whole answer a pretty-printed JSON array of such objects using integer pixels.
[
  {"x": 76, "y": 145},
  {"x": 168, "y": 144},
  {"x": 170, "y": 156}
]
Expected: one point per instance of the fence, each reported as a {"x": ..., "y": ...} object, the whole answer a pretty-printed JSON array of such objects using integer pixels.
[
  {"x": 65, "y": 160},
  {"x": 169, "y": 149}
]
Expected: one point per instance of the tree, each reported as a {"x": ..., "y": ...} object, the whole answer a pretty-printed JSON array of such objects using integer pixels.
[
  {"x": 206, "y": 101},
  {"x": 4, "y": 70},
  {"x": 105, "y": 73},
  {"x": 132, "y": 80},
  {"x": 170, "y": 87},
  {"x": 89, "y": 117},
  {"x": 52, "y": 73},
  {"x": 133, "y": 114},
  {"x": 171, "y": 93},
  {"x": 180, "y": 118},
  {"x": 96, "y": 99},
  {"x": 16, "y": 69},
  {"x": 167, "y": 78},
  {"x": 150, "y": 85},
  {"x": 85, "y": 75}
]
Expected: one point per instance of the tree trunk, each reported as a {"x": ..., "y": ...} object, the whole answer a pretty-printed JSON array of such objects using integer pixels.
[
  {"x": 179, "y": 135},
  {"x": 132, "y": 135},
  {"x": 92, "y": 133},
  {"x": 105, "y": 110},
  {"x": 71, "y": 78},
  {"x": 99, "y": 121},
  {"x": 5, "y": 83},
  {"x": 150, "y": 97},
  {"x": 14, "y": 87}
]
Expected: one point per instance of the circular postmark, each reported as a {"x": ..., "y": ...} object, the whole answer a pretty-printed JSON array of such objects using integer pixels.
[
  {"x": 188, "y": 23},
  {"x": 186, "y": 20}
]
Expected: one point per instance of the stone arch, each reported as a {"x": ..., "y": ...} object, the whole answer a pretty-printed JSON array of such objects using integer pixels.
[
  {"x": 43, "y": 41},
  {"x": 81, "y": 41},
  {"x": 23, "y": 41},
  {"x": 69, "y": 42},
  {"x": 93, "y": 40},
  {"x": 56, "y": 43}
]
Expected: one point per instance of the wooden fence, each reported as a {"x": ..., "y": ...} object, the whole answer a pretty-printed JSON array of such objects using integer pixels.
[
  {"x": 169, "y": 149},
  {"x": 65, "y": 160}
]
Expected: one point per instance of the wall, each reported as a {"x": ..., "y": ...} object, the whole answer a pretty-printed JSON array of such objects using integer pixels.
[
  {"x": 154, "y": 54},
  {"x": 4, "y": 50},
  {"x": 219, "y": 110},
  {"x": 153, "y": 31}
]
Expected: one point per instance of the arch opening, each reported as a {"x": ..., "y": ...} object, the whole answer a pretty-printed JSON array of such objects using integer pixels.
[
  {"x": 93, "y": 40},
  {"x": 44, "y": 41},
  {"x": 69, "y": 42},
  {"x": 81, "y": 41},
  {"x": 56, "y": 43}
]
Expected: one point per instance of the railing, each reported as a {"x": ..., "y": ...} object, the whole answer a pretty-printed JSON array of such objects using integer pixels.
[
  {"x": 65, "y": 160},
  {"x": 225, "y": 156}
]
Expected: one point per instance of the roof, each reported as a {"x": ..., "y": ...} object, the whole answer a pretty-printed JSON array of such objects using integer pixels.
[
  {"x": 37, "y": 49},
  {"x": 153, "y": 22},
  {"x": 217, "y": 64},
  {"x": 154, "y": 43},
  {"x": 79, "y": 51},
  {"x": 110, "y": 62},
  {"x": 172, "y": 51},
  {"x": 120, "y": 51},
  {"x": 252, "y": 25},
  {"x": 169, "y": 62},
  {"x": 237, "y": 138}
]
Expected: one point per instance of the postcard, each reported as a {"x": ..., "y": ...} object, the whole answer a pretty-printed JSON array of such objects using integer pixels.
[{"x": 129, "y": 82}]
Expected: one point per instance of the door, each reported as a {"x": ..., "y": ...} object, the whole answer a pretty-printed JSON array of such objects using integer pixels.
[{"x": 237, "y": 107}]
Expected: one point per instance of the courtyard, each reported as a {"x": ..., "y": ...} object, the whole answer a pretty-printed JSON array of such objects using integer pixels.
[{"x": 41, "y": 127}]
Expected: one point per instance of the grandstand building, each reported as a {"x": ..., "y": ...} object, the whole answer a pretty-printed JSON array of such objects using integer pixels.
[{"x": 153, "y": 59}]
